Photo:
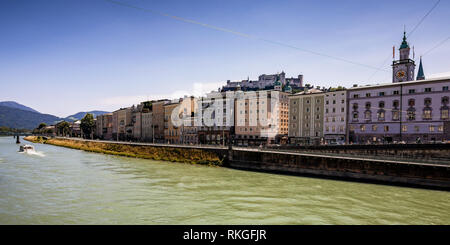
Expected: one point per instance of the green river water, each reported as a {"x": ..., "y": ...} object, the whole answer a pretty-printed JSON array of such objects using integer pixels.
[{"x": 64, "y": 186}]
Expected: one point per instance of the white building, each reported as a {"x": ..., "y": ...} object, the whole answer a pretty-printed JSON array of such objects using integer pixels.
[{"x": 335, "y": 118}]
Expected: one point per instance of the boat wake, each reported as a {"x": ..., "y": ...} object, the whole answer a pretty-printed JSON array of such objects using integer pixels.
[{"x": 34, "y": 153}]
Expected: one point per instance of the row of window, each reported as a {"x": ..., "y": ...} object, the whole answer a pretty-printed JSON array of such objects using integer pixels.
[
  {"x": 397, "y": 92},
  {"x": 386, "y": 128}
]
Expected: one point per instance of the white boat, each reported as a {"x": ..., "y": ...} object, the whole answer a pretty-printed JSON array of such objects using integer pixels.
[{"x": 26, "y": 148}]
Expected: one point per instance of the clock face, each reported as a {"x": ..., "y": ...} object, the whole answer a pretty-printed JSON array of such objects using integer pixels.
[{"x": 401, "y": 74}]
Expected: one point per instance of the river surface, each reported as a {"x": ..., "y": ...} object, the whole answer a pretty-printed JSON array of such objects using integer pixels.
[{"x": 65, "y": 186}]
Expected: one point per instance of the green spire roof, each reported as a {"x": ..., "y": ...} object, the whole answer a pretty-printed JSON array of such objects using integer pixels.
[
  {"x": 404, "y": 43},
  {"x": 277, "y": 82},
  {"x": 420, "y": 74}
]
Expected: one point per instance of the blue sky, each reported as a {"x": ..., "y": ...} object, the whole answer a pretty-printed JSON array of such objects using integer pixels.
[{"x": 65, "y": 56}]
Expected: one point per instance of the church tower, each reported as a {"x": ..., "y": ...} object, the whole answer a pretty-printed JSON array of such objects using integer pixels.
[{"x": 403, "y": 69}]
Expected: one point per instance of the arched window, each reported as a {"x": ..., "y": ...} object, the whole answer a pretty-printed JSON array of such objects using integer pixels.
[{"x": 395, "y": 104}]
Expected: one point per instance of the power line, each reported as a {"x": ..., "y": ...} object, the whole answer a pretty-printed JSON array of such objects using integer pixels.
[
  {"x": 409, "y": 34},
  {"x": 423, "y": 18},
  {"x": 242, "y": 34},
  {"x": 438, "y": 45}
]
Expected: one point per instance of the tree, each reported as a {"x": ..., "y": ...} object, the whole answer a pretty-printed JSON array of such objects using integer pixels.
[
  {"x": 87, "y": 124},
  {"x": 42, "y": 125},
  {"x": 63, "y": 128}
]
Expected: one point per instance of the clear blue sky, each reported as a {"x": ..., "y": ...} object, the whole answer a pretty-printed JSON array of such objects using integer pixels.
[{"x": 63, "y": 56}]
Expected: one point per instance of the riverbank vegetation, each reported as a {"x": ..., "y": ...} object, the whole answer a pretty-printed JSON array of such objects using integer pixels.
[{"x": 172, "y": 154}]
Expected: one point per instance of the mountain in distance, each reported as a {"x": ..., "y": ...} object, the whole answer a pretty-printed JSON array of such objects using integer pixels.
[
  {"x": 24, "y": 119},
  {"x": 15, "y": 115},
  {"x": 13, "y": 104},
  {"x": 80, "y": 115}
]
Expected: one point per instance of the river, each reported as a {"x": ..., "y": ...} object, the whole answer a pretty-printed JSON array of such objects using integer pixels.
[{"x": 66, "y": 186}]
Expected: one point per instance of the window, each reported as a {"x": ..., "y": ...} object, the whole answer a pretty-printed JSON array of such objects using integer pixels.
[
  {"x": 342, "y": 109},
  {"x": 427, "y": 113},
  {"x": 395, "y": 92},
  {"x": 327, "y": 102},
  {"x": 367, "y": 94},
  {"x": 355, "y": 106},
  {"x": 367, "y": 115},
  {"x": 334, "y": 102},
  {"x": 431, "y": 128},
  {"x": 444, "y": 100},
  {"x": 342, "y": 101},
  {"x": 381, "y": 104},
  {"x": 427, "y": 89},
  {"x": 427, "y": 101},
  {"x": 374, "y": 127},
  {"x": 386, "y": 128},
  {"x": 411, "y": 102},
  {"x": 441, "y": 128},
  {"x": 445, "y": 88},
  {"x": 444, "y": 113},
  {"x": 404, "y": 128},
  {"x": 362, "y": 128},
  {"x": 416, "y": 128},
  {"x": 381, "y": 94},
  {"x": 352, "y": 128},
  {"x": 412, "y": 91},
  {"x": 395, "y": 103},
  {"x": 355, "y": 115},
  {"x": 307, "y": 101},
  {"x": 367, "y": 105},
  {"x": 380, "y": 115},
  {"x": 411, "y": 115},
  {"x": 356, "y": 95},
  {"x": 395, "y": 115}
]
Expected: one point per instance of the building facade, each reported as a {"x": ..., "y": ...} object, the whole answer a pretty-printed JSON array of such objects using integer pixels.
[
  {"x": 261, "y": 117},
  {"x": 335, "y": 117},
  {"x": 104, "y": 126},
  {"x": 121, "y": 123},
  {"x": 307, "y": 117},
  {"x": 400, "y": 112},
  {"x": 158, "y": 120},
  {"x": 217, "y": 118}
]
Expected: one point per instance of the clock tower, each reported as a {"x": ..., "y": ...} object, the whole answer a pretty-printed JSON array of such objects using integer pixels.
[{"x": 403, "y": 69}]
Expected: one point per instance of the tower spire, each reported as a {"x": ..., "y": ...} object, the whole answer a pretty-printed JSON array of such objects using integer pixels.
[
  {"x": 404, "y": 42},
  {"x": 420, "y": 73}
]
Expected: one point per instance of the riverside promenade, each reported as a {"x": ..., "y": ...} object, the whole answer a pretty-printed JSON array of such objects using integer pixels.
[{"x": 432, "y": 170}]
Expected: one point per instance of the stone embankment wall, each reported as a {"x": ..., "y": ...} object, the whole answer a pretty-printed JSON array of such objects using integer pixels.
[{"x": 383, "y": 171}]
